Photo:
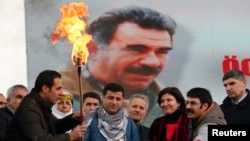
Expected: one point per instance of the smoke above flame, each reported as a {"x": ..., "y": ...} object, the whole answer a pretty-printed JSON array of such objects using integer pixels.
[{"x": 72, "y": 25}]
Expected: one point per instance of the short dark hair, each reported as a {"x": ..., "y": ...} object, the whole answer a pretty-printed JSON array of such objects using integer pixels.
[
  {"x": 92, "y": 95},
  {"x": 114, "y": 87},
  {"x": 202, "y": 94},
  {"x": 46, "y": 77},
  {"x": 234, "y": 73},
  {"x": 175, "y": 92},
  {"x": 103, "y": 28}
]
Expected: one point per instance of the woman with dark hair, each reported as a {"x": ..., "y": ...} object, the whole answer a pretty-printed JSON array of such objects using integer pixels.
[{"x": 174, "y": 125}]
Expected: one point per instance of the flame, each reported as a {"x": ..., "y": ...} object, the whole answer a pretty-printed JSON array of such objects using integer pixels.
[{"x": 72, "y": 25}]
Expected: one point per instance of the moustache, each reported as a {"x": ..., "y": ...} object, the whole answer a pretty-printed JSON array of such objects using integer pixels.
[
  {"x": 143, "y": 70},
  {"x": 189, "y": 111}
]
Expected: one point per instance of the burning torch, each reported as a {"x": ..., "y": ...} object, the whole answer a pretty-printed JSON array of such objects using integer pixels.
[{"x": 72, "y": 25}]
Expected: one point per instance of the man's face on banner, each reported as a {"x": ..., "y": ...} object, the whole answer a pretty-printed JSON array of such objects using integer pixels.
[{"x": 135, "y": 55}]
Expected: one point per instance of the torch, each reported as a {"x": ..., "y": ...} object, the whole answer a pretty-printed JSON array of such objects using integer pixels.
[{"x": 72, "y": 25}]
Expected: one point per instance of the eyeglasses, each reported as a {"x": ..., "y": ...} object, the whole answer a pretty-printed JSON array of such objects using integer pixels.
[
  {"x": 2, "y": 103},
  {"x": 192, "y": 103}
]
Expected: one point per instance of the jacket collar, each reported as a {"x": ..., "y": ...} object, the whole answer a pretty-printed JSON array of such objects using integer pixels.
[{"x": 242, "y": 103}]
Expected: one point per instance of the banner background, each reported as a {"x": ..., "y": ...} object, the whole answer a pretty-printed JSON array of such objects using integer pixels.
[{"x": 207, "y": 31}]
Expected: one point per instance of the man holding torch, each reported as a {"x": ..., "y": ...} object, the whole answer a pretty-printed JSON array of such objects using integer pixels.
[{"x": 33, "y": 119}]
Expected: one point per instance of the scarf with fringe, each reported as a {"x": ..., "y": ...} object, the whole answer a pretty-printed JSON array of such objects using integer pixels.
[{"x": 112, "y": 127}]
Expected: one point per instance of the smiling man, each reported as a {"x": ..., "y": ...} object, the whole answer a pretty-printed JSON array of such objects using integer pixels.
[
  {"x": 202, "y": 111},
  {"x": 110, "y": 118}
]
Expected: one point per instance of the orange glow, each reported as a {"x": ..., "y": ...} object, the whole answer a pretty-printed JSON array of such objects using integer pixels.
[{"x": 72, "y": 25}]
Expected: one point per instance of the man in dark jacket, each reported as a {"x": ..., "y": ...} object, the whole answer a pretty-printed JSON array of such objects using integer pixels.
[
  {"x": 236, "y": 105},
  {"x": 5, "y": 118},
  {"x": 33, "y": 120},
  {"x": 15, "y": 95}
]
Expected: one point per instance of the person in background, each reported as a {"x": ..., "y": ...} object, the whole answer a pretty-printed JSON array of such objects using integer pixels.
[
  {"x": 15, "y": 95},
  {"x": 118, "y": 54},
  {"x": 174, "y": 125},
  {"x": 137, "y": 110},
  {"x": 64, "y": 105},
  {"x": 202, "y": 111},
  {"x": 33, "y": 119},
  {"x": 2, "y": 101},
  {"x": 236, "y": 105},
  {"x": 91, "y": 101},
  {"x": 108, "y": 122}
]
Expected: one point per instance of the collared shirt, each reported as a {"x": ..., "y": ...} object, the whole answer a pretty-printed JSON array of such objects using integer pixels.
[
  {"x": 11, "y": 109},
  {"x": 237, "y": 102}
]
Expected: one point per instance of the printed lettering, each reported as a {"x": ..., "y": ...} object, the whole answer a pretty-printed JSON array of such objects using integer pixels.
[
  {"x": 245, "y": 66},
  {"x": 230, "y": 63},
  {"x": 216, "y": 132}
]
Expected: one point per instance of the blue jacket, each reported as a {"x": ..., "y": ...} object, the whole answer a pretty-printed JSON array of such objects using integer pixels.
[{"x": 93, "y": 133}]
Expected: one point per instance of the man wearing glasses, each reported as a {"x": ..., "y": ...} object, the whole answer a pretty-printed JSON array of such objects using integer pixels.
[
  {"x": 15, "y": 95},
  {"x": 202, "y": 111}
]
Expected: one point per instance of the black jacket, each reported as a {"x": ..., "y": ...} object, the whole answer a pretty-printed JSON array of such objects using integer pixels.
[
  {"x": 237, "y": 114},
  {"x": 143, "y": 132},
  {"x": 33, "y": 121},
  {"x": 5, "y": 119}
]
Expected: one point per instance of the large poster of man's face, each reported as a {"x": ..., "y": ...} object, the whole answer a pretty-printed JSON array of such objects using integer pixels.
[{"x": 144, "y": 45}]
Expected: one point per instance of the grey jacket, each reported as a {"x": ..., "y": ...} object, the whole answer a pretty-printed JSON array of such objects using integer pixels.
[{"x": 213, "y": 116}]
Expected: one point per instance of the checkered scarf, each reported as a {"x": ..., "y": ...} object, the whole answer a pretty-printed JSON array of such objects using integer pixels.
[{"x": 112, "y": 127}]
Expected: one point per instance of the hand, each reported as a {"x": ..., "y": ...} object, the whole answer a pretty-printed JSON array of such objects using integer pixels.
[
  {"x": 77, "y": 116},
  {"x": 78, "y": 132}
]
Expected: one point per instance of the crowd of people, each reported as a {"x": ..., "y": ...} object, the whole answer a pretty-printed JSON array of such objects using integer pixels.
[
  {"x": 122, "y": 101},
  {"x": 46, "y": 112}
]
